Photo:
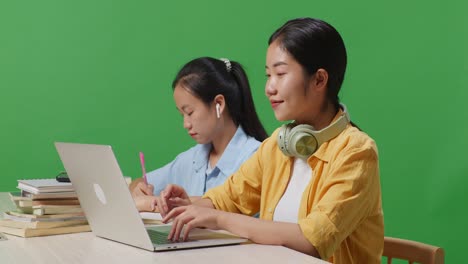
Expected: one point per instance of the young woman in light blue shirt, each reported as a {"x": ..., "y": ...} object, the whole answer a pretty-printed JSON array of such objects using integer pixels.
[{"x": 215, "y": 100}]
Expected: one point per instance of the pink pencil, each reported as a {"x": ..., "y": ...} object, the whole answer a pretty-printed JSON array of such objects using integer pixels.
[{"x": 142, "y": 161}]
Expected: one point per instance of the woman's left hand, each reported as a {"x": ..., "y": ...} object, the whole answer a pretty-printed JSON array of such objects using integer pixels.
[
  {"x": 146, "y": 203},
  {"x": 191, "y": 216}
]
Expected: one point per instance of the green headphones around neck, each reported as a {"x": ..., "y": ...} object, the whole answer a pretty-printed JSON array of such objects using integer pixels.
[{"x": 303, "y": 140}]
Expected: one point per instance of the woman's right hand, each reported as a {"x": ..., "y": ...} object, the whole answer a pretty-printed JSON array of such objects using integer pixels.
[
  {"x": 142, "y": 189},
  {"x": 172, "y": 196}
]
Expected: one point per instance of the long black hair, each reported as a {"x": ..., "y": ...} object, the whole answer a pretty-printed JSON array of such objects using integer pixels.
[
  {"x": 207, "y": 77},
  {"x": 315, "y": 44}
]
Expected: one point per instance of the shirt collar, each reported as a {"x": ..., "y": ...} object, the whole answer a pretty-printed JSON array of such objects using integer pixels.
[
  {"x": 230, "y": 154},
  {"x": 232, "y": 151}
]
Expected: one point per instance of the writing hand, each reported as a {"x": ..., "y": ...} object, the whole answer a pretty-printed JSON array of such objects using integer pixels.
[
  {"x": 142, "y": 193},
  {"x": 142, "y": 189},
  {"x": 146, "y": 203}
]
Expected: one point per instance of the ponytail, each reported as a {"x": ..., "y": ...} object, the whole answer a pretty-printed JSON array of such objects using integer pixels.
[
  {"x": 246, "y": 115},
  {"x": 207, "y": 77}
]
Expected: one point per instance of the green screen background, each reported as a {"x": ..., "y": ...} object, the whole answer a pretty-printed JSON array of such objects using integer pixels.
[{"x": 101, "y": 72}]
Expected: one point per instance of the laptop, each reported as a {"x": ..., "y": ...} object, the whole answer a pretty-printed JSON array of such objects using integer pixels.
[{"x": 110, "y": 209}]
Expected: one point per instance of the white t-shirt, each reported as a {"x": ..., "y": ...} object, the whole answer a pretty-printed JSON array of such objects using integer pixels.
[{"x": 287, "y": 209}]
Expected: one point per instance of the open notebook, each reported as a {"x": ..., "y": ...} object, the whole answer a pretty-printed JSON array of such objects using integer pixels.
[{"x": 109, "y": 206}]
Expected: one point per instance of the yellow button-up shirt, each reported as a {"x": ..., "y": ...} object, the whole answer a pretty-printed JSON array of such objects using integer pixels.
[{"x": 341, "y": 210}]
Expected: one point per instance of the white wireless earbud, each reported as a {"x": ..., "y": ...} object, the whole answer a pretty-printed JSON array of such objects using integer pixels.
[{"x": 218, "y": 111}]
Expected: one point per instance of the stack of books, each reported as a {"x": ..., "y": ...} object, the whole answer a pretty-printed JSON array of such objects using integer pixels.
[{"x": 44, "y": 207}]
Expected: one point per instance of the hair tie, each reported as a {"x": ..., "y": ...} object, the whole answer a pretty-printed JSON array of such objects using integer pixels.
[{"x": 228, "y": 64}]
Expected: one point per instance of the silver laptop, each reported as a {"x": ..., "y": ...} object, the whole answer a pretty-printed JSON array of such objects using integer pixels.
[{"x": 110, "y": 208}]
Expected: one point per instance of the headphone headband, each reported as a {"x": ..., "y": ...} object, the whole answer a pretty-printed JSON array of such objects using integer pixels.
[{"x": 335, "y": 128}]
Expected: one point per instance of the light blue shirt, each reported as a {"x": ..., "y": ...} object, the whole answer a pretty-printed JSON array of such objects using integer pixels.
[{"x": 190, "y": 168}]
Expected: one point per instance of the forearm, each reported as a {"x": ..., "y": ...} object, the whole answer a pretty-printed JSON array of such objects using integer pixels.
[
  {"x": 267, "y": 232},
  {"x": 193, "y": 199},
  {"x": 203, "y": 202}
]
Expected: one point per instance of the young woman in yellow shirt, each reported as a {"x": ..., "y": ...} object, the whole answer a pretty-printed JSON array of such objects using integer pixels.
[{"x": 315, "y": 181}]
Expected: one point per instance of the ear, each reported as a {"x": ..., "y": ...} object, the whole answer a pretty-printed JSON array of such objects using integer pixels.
[
  {"x": 320, "y": 80},
  {"x": 219, "y": 99}
]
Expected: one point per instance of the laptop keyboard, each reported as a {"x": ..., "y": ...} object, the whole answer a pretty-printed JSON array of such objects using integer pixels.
[{"x": 158, "y": 237}]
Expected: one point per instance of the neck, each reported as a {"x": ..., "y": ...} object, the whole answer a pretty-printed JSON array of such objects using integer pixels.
[
  {"x": 323, "y": 119},
  {"x": 222, "y": 140}
]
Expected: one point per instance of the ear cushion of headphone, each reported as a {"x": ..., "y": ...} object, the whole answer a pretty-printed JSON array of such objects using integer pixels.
[
  {"x": 297, "y": 140},
  {"x": 282, "y": 138},
  {"x": 302, "y": 141}
]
